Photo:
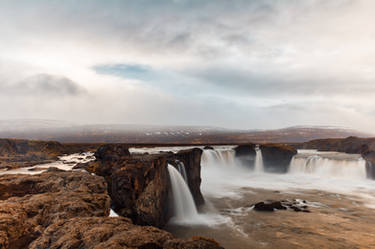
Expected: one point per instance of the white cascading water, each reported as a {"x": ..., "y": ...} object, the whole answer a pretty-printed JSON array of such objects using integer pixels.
[
  {"x": 328, "y": 164},
  {"x": 220, "y": 170},
  {"x": 259, "y": 167},
  {"x": 182, "y": 170},
  {"x": 221, "y": 158},
  {"x": 183, "y": 203}
]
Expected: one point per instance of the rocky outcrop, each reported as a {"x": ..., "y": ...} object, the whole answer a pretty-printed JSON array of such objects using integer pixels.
[
  {"x": 112, "y": 233},
  {"x": 29, "y": 204},
  {"x": 192, "y": 162},
  {"x": 352, "y": 145},
  {"x": 277, "y": 157},
  {"x": 112, "y": 152},
  {"x": 246, "y": 154},
  {"x": 270, "y": 206},
  {"x": 60, "y": 209},
  {"x": 138, "y": 185}
]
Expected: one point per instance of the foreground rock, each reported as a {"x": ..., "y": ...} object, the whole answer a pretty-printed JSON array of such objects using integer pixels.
[
  {"x": 59, "y": 209},
  {"x": 277, "y": 157},
  {"x": 29, "y": 204},
  {"x": 246, "y": 154},
  {"x": 112, "y": 233}
]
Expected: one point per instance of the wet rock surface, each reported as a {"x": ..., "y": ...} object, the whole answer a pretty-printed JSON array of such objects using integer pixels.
[
  {"x": 277, "y": 157},
  {"x": 270, "y": 206}
]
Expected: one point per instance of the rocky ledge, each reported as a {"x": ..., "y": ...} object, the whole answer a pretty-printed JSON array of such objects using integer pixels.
[
  {"x": 58, "y": 209},
  {"x": 277, "y": 157}
]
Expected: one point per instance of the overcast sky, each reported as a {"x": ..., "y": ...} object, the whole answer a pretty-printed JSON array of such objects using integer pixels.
[{"x": 236, "y": 64}]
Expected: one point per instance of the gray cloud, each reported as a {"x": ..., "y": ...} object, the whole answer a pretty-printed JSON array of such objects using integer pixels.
[{"x": 43, "y": 85}]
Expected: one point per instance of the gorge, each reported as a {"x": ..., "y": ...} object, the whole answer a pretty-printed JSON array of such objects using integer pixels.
[{"x": 188, "y": 191}]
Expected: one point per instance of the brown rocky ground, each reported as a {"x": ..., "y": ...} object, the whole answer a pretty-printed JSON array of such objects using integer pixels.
[{"x": 69, "y": 209}]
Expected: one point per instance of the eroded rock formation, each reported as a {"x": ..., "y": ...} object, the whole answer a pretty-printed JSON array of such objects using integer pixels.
[
  {"x": 112, "y": 233},
  {"x": 277, "y": 157},
  {"x": 59, "y": 209},
  {"x": 29, "y": 204},
  {"x": 139, "y": 185}
]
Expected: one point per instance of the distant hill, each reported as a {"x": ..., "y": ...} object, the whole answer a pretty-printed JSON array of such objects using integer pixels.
[{"x": 153, "y": 134}]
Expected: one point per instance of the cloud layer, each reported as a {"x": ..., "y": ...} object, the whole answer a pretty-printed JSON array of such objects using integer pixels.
[{"x": 241, "y": 64}]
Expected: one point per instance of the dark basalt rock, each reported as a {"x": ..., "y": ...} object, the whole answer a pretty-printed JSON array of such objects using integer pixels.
[
  {"x": 270, "y": 206},
  {"x": 246, "y": 154},
  {"x": 277, "y": 157}
]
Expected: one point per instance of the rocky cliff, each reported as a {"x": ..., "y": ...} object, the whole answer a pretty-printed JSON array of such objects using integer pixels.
[
  {"x": 277, "y": 157},
  {"x": 139, "y": 185},
  {"x": 246, "y": 154}
]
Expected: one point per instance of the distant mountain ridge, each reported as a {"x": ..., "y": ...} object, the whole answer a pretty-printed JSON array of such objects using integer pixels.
[{"x": 157, "y": 134}]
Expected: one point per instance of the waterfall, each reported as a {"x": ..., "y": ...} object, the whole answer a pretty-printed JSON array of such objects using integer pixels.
[
  {"x": 182, "y": 170},
  {"x": 183, "y": 203},
  {"x": 329, "y": 164},
  {"x": 219, "y": 158},
  {"x": 258, "y": 160}
]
